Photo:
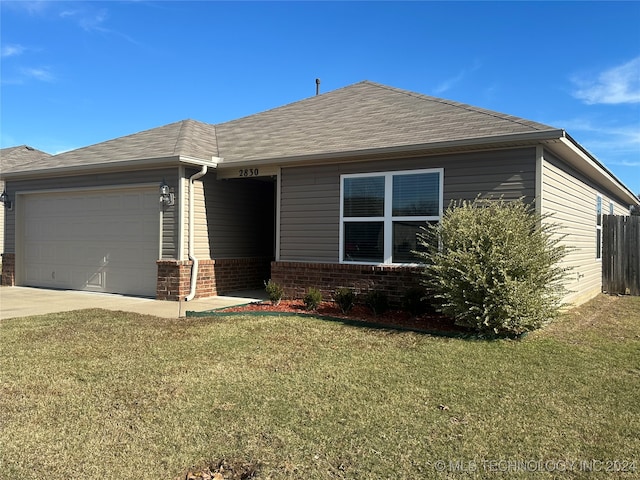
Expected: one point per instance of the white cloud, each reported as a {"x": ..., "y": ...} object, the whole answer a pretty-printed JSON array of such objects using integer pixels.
[
  {"x": 31, "y": 7},
  {"x": 617, "y": 85},
  {"x": 11, "y": 50},
  {"x": 449, "y": 83},
  {"x": 626, "y": 163},
  {"x": 629, "y": 134},
  {"x": 43, "y": 74},
  {"x": 87, "y": 19},
  {"x": 94, "y": 20},
  {"x": 613, "y": 144}
]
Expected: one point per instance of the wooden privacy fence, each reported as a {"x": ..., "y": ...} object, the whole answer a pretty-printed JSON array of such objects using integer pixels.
[{"x": 621, "y": 254}]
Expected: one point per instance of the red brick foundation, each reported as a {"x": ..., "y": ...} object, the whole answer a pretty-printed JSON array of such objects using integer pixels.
[
  {"x": 296, "y": 278},
  {"x": 215, "y": 277},
  {"x": 8, "y": 269}
]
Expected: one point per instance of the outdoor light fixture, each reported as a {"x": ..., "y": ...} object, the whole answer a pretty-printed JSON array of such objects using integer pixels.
[
  {"x": 167, "y": 198},
  {"x": 4, "y": 199}
]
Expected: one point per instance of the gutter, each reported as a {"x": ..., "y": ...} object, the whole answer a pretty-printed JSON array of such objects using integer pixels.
[
  {"x": 507, "y": 140},
  {"x": 553, "y": 139},
  {"x": 103, "y": 167},
  {"x": 593, "y": 167},
  {"x": 192, "y": 257}
]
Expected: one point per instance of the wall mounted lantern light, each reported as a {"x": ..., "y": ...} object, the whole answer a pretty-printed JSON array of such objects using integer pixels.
[
  {"x": 167, "y": 197},
  {"x": 4, "y": 199}
]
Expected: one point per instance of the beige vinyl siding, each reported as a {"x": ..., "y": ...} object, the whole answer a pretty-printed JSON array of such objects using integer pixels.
[
  {"x": 571, "y": 198},
  {"x": 233, "y": 218},
  {"x": 170, "y": 232},
  {"x": 310, "y": 196},
  {"x": 310, "y": 213},
  {"x": 201, "y": 230},
  {"x": 102, "y": 180}
]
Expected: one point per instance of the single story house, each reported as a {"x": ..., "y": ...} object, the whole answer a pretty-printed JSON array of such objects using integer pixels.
[{"x": 325, "y": 192}]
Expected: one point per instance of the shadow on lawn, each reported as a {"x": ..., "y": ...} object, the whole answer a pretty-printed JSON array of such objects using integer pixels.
[{"x": 359, "y": 316}]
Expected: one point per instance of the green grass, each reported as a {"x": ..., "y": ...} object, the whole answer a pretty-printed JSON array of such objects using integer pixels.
[{"x": 111, "y": 395}]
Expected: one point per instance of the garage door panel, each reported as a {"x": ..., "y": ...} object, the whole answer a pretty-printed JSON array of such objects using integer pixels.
[
  {"x": 98, "y": 241},
  {"x": 112, "y": 202},
  {"x": 63, "y": 252}
]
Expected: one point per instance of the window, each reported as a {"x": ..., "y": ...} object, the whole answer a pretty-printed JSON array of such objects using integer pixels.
[
  {"x": 598, "y": 227},
  {"x": 611, "y": 208},
  {"x": 381, "y": 213}
]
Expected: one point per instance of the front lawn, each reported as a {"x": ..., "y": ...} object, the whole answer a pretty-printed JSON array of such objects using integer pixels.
[{"x": 111, "y": 395}]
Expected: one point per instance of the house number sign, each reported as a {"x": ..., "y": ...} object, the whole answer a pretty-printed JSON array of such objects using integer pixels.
[{"x": 248, "y": 172}]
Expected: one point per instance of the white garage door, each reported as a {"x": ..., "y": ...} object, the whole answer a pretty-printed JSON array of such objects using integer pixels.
[{"x": 100, "y": 241}]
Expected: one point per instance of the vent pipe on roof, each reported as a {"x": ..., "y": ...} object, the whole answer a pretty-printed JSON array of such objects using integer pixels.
[{"x": 317, "y": 86}]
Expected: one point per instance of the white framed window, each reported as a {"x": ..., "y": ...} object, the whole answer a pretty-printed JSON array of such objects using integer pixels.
[
  {"x": 381, "y": 213},
  {"x": 598, "y": 227},
  {"x": 611, "y": 208}
]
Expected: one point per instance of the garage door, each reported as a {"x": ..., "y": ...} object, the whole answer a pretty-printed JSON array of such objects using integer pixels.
[{"x": 100, "y": 241}]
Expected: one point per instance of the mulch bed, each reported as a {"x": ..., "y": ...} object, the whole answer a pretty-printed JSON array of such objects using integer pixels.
[{"x": 400, "y": 319}]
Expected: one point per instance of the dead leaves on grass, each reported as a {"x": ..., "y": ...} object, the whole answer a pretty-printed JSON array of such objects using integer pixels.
[{"x": 225, "y": 470}]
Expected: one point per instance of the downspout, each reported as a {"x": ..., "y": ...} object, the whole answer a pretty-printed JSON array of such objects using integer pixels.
[{"x": 192, "y": 256}]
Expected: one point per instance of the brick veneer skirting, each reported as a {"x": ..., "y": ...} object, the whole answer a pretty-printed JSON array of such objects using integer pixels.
[
  {"x": 8, "y": 269},
  {"x": 297, "y": 277},
  {"x": 215, "y": 277}
]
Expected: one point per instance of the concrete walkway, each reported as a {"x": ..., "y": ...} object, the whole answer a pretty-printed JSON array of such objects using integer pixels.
[{"x": 26, "y": 301}]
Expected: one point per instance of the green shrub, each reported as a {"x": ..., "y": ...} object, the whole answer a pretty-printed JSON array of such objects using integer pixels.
[
  {"x": 312, "y": 299},
  {"x": 493, "y": 266},
  {"x": 377, "y": 301},
  {"x": 275, "y": 292},
  {"x": 345, "y": 298}
]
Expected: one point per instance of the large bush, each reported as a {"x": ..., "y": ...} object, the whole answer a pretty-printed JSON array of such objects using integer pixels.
[{"x": 492, "y": 265}]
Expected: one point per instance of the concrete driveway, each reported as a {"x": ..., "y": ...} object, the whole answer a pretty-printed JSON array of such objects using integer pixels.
[{"x": 27, "y": 301}]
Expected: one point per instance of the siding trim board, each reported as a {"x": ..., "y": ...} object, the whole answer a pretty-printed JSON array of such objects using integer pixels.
[
  {"x": 278, "y": 210},
  {"x": 539, "y": 178}
]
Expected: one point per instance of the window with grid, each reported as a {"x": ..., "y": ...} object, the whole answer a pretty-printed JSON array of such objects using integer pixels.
[{"x": 381, "y": 213}]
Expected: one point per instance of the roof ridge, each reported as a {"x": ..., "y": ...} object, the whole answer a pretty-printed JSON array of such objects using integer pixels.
[
  {"x": 190, "y": 132},
  {"x": 464, "y": 106},
  {"x": 295, "y": 102},
  {"x": 119, "y": 139},
  {"x": 443, "y": 101},
  {"x": 179, "y": 136}
]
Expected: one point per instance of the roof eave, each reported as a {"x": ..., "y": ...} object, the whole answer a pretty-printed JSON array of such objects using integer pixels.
[
  {"x": 120, "y": 166},
  {"x": 579, "y": 158},
  {"x": 555, "y": 139},
  {"x": 513, "y": 139}
]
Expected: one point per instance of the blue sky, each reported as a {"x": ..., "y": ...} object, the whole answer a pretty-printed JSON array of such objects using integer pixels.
[{"x": 78, "y": 73}]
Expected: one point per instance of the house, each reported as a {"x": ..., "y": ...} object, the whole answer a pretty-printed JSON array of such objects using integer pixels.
[
  {"x": 12, "y": 158},
  {"x": 325, "y": 192}
]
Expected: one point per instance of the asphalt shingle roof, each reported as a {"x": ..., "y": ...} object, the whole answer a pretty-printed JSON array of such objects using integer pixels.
[
  {"x": 20, "y": 156},
  {"x": 361, "y": 116},
  {"x": 186, "y": 138}
]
